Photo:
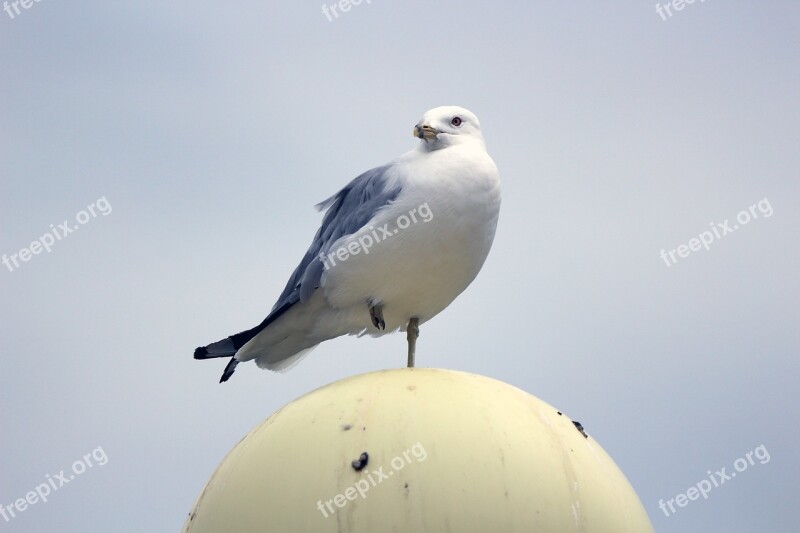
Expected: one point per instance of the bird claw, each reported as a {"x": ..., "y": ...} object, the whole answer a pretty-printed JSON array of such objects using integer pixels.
[{"x": 376, "y": 314}]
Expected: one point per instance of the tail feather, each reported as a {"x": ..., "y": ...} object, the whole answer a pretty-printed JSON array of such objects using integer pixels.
[
  {"x": 223, "y": 348},
  {"x": 230, "y": 345},
  {"x": 229, "y": 370},
  {"x": 276, "y": 348}
]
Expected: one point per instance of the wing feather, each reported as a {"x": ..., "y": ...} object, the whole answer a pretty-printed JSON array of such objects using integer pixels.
[{"x": 348, "y": 211}]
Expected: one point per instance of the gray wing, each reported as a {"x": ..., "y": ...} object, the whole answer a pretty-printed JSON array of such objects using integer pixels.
[{"x": 347, "y": 211}]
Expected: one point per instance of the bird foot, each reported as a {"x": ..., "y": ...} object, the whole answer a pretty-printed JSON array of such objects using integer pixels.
[{"x": 376, "y": 314}]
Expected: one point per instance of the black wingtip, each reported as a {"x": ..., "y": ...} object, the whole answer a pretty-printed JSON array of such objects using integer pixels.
[
  {"x": 201, "y": 353},
  {"x": 229, "y": 370}
]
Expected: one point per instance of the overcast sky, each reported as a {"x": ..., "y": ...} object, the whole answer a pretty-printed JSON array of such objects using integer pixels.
[{"x": 203, "y": 133}]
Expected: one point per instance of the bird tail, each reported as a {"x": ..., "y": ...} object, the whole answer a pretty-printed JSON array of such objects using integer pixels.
[
  {"x": 278, "y": 347},
  {"x": 223, "y": 348},
  {"x": 229, "y": 369},
  {"x": 227, "y": 347}
]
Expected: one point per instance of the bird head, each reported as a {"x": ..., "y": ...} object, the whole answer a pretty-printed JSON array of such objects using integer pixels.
[{"x": 446, "y": 126}]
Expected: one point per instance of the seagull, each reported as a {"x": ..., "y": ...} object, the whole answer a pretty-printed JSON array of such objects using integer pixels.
[{"x": 396, "y": 246}]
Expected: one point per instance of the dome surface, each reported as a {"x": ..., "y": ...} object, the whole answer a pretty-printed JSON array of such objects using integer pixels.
[{"x": 418, "y": 450}]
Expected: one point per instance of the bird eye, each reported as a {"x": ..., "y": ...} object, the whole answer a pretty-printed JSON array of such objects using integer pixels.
[{"x": 456, "y": 121}]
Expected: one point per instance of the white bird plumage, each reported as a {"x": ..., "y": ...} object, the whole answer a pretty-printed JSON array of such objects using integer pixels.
[{"x": 414, "y": 272}]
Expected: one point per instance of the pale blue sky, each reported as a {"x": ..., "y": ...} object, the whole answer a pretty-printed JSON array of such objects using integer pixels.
[{"x": 213, "y": 128}]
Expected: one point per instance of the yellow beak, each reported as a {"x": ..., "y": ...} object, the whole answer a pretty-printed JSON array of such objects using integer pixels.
[{"x": 425, "y": 132}]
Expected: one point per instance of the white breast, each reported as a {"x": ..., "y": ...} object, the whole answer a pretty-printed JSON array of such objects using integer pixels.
[{"x": 454, "y": 196}]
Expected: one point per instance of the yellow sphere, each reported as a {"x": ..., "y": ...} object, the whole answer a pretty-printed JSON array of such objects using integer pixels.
[{"x": 420, "y": 450}]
